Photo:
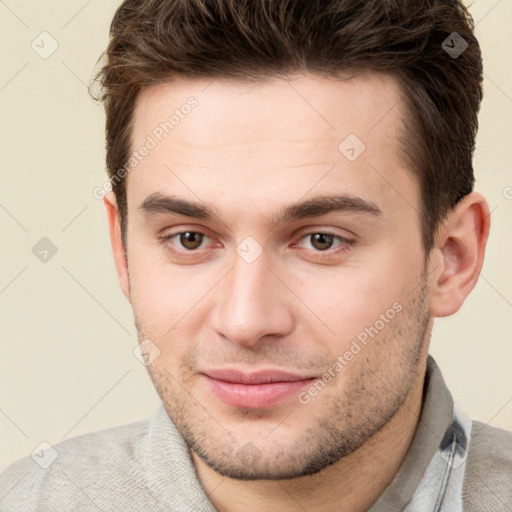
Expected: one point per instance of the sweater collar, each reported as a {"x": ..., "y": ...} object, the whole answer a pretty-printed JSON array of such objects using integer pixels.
[
  {"x": 173, "y": 479},
  {"x": 436, "y": 418}
]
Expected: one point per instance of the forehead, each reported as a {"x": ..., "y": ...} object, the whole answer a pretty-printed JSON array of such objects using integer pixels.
[
  {"x": 305, "y": 107},
  {"x": 283, "y": 136}
]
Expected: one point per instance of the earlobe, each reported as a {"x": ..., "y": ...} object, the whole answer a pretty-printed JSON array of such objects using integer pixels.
[
  {"x": 458, "y": 254},
  {"x": 116, "y": 241}
]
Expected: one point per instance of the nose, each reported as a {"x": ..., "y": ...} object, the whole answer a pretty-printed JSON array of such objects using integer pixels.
[{"x": 253, "y": 304}]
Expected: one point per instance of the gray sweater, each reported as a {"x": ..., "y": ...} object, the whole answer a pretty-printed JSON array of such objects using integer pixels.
[{"x": 453, "y": 464}]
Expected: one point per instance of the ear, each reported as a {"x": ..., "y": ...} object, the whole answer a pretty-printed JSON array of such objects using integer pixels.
[
  {"x": 116, "y": 241},
  {"x": 457, "y": 257}
]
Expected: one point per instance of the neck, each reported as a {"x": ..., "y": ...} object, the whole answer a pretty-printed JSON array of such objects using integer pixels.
[{"x": 352, "y": 484}]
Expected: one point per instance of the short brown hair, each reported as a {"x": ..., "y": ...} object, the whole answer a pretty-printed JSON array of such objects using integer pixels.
[{"x": 153, "y": 40}]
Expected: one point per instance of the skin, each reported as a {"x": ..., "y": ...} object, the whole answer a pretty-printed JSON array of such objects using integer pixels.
[{"x": 248, "y": 151}]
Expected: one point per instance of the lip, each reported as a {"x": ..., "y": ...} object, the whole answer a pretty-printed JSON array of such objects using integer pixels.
[{"x": 256, "y": 390}]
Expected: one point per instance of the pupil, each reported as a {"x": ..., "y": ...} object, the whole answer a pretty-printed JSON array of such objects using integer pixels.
[
  {"x": 191, "y": 240},
  {"x": 322, "y": 241}
]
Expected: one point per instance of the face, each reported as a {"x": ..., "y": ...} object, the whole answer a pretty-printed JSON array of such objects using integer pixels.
[{"x": 276, "y": 266}]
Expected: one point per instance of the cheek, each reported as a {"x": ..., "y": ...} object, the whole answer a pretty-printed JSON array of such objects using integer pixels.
[
  {"x": 156, "y": 293},
  {"x": 349, "y": 300},
  {"x": 168, "y": 300}
]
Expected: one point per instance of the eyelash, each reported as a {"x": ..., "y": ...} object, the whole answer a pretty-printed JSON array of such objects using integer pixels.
[{"x": 347, "y": 244}]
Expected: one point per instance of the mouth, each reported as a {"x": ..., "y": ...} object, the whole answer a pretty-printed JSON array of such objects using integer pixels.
[{"x": 256, "y": 390}]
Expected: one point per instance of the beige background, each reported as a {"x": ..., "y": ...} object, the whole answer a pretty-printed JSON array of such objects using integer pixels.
[{"x": 67, "y": 334}]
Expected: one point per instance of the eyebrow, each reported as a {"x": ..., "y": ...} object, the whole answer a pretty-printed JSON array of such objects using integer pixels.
[{"x": 315, "y": 207}]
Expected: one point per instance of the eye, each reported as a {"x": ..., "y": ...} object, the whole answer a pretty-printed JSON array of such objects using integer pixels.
[
  {"x": 325, "y": 241},
  {"x": 189, "y": 240}
]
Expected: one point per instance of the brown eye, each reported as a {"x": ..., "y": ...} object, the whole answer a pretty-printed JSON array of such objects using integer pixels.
[
  {"x": 191, "y": 239},
  {"x": 321, "y": 241}
]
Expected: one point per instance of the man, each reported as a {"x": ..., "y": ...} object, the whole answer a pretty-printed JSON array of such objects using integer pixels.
[{"x": 292, "y": 206}]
